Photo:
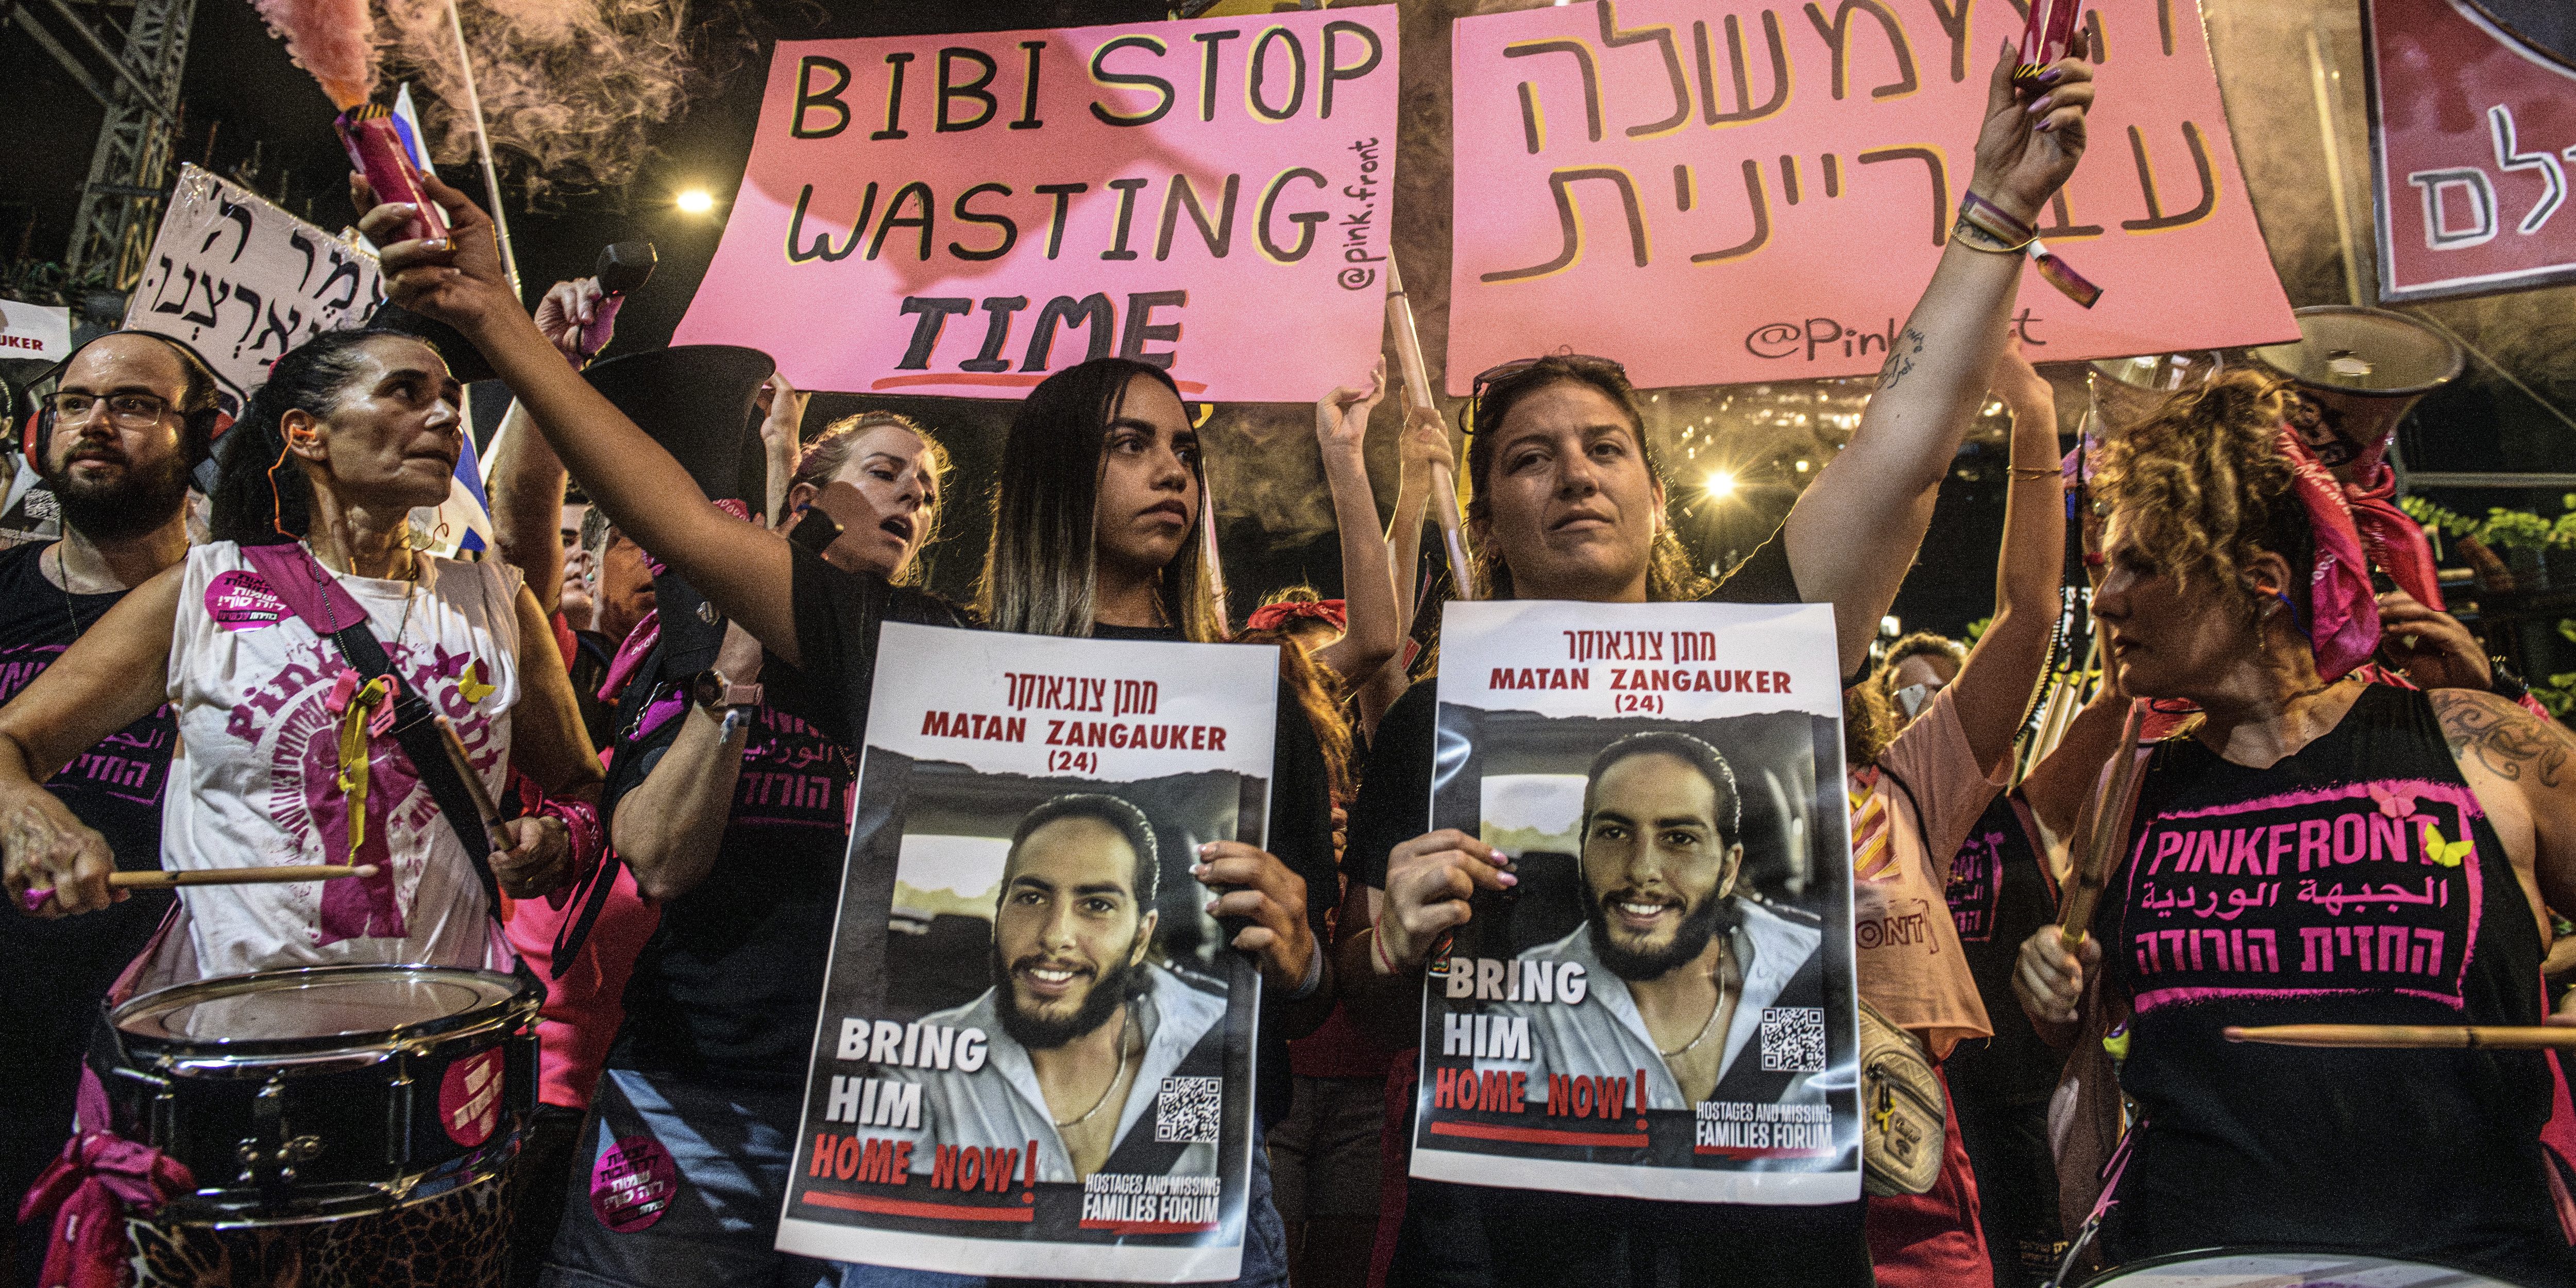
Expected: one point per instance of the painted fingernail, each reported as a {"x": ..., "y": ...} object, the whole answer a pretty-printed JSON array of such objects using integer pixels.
[
  {"x": 1509, "y": 880},
  {"x": 2045, "y": 127},
  {"x": 436, "y": 243},
  {"x": 1211, "y": 908},
  {"x": 35, "y": 899},
  {"x": 1208, "y": 848},
  {"x": 2050, "y": 77},
  {"x": 1198, "y": 869},
  {"x": 2040, "y": 104}
]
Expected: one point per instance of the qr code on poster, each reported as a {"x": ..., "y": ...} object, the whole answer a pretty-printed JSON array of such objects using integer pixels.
[
  {"x": 1187, "y": 1110},
  {"x": 1793, "y": 1039}
]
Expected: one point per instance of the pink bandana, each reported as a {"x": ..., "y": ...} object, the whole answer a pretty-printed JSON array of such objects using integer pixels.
[
  {"x": 1273, "y": 617},
  {"x": 83, "y": 1198},
  {"x": 2343, "y": 625}
]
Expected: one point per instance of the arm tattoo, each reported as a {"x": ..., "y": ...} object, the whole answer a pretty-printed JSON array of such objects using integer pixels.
[
  {"x": 1900, "y": 359},
  {"x": 2504, "y": 740}
]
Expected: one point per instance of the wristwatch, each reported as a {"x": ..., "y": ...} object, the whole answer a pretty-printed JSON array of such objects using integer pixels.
[{"x": 712, "y": 690}]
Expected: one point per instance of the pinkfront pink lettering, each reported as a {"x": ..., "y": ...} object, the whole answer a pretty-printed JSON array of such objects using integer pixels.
[{"x": 2372, "y": 887}]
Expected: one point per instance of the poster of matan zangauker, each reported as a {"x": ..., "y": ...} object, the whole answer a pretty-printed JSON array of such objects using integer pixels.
[
  {"x": 1035, "y": 1056},
  {"x": 1662, "y": 1006}
]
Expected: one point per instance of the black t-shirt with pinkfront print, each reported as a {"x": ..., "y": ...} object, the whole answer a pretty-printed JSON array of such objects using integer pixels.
[
  {"x": 2354, "y": 882},
  {"x": 58, "y": 969}
]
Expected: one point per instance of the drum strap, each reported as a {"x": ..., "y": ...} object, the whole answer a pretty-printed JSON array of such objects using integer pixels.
[{"x": 304, "y": 585}]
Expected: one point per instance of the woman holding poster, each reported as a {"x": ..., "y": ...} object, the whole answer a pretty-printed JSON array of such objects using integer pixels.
[
  {"x": 1098, "y": 532},
  {"x": 1567, "y": 505},
  {"x": 732, "y": 814},
  {"x": 2315, "y": 848}
]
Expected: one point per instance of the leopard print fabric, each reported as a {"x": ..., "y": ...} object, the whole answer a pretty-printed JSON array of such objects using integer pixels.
[{"x": 460, "y": 1239}]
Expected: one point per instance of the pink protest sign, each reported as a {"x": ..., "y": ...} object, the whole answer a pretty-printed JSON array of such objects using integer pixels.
[
  {"x": 964, "y": 214},
  {"x": 1721, "y": 191},
  {"x": 2471, "y": 127}
]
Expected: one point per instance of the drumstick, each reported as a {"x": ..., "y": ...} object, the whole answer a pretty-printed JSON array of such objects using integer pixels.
[
  {"x": 2497, "y": 1037},
  {"x": 160, "y": 879},
  {"x": 1416, "y": 379},
  {"x": 473, "y": 783},
  {"x": 2095, "y": 869}
]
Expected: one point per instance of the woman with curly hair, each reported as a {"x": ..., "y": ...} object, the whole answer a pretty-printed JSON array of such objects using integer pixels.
[{"x": 2316, "y": 847}]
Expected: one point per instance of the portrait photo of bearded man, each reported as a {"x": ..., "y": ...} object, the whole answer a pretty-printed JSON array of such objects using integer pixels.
[
  {"x": 1680, "y": 966},
  {"x": 1083, "y": 1021}
]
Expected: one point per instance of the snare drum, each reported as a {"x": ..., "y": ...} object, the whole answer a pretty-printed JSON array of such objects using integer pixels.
[
  {"x": 328, "y": 1092},
  {"x": 2232, "y": 1268}
]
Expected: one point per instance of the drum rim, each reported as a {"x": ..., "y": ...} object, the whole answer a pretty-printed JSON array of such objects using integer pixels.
[
  {"x": 2163, "y": 1259},
  {"x": 521, "y": 995},
  {"x": 215, "y": 1209}
]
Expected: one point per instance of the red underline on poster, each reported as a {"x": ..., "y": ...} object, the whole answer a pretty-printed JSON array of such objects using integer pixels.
[
  {"x": 1738, "y": 1151},
  {"x": 1010, "y": 380},
  {"x": 907, "y": 1207},
  {"x": 1540, "y": 1135},
  {"x": 1151, "y": 1227}
]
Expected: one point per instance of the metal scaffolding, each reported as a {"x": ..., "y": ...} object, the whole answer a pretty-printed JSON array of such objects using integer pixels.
[{"x": 129, "y": 172}]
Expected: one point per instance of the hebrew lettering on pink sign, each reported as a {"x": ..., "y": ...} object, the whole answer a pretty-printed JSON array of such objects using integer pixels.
[
  {"x": 1723, "y": 191},
  {"x": 962, "y": 215}
]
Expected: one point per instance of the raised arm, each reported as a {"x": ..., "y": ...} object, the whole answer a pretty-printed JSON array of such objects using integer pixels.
[
  {"x": 527, "y": 480},
  {"x": 1425, "y": 444},
  {"x": 1854, "y": 533},
  {"x": 527, "y": 488},
  {"x": 1373, "y": 627},
  {"x": 1993, "y": 688},
  {"x": 782, "y": 437},
  {"x": 109, "y": 678},
  {"x": 742, "y": 570}
]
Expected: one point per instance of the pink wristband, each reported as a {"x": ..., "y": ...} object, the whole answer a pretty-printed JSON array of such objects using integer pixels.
[{"x": 581, "y": 821}]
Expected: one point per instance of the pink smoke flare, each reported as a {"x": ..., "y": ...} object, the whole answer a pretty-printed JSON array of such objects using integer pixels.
[{"x": 335, "y": 40}]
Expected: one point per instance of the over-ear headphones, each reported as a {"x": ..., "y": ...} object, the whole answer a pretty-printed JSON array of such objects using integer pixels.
[{"x": 198, "y": 429}]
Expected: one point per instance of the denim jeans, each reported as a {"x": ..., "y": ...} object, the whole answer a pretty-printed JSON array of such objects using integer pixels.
[{"x": 730, "y": 1148}]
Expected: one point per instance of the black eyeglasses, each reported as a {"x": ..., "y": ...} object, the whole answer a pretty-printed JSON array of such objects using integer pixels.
[{"x": 133, "y": 411}]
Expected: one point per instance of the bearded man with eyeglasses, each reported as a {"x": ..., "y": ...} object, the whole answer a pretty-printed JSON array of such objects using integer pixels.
[{"x": 114, "y": 442}]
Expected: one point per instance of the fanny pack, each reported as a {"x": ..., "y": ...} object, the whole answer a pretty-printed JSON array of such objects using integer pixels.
[{"x": 1904, "y": 1112}]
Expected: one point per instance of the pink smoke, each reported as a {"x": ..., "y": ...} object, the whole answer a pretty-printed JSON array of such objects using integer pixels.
[{"x": 333, "y": 39}]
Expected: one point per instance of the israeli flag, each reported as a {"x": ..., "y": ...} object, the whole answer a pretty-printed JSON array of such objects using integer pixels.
[{"x": 407, "y": 126}]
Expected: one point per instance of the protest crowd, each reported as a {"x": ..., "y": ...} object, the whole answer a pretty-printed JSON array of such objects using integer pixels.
[{"x": 567, "y": 906}]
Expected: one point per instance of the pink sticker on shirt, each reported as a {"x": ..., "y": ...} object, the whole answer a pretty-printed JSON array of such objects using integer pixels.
[
  {"x": 469, "y": 1098},
  {"x": 632, "y": 1183},
  {"x": 242, "y": 601}
]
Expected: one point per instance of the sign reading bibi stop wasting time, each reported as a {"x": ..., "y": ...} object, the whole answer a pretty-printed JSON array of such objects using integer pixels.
[{"x": 964, "y": 214}]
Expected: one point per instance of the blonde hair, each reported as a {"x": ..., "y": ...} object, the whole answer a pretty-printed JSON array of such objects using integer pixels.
[
  {"x": 828, "y": 453},
  {"x": 2204, "y": 485}
]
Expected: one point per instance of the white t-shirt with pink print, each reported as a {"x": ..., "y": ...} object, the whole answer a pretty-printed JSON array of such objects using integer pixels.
[{"x": 256, "y": 780}]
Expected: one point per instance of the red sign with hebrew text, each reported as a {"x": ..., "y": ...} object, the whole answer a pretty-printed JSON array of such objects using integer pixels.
[
  {"x": 2472, "y": 132},
  {"x": 1723, "y": 191}
]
